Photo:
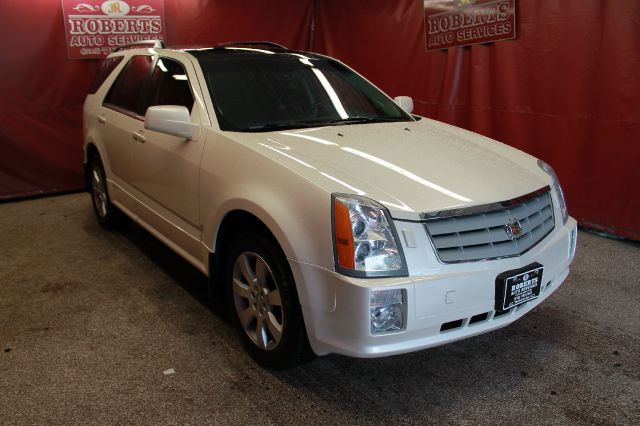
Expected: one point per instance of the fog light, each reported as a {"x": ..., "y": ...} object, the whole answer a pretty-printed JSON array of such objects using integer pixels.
[
  {"x": 573, "y": 242},
  {"x": 386, "y": 310}
]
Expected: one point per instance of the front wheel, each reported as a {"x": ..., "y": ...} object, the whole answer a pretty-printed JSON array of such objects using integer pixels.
[{"x": 263, "y": 301}]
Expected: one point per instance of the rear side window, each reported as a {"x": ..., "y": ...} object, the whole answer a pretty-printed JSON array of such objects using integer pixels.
[
  {"x": 106, "y": 67},
  {"x": 169, "y": 85},
  {"x": 128, "y": 87}
]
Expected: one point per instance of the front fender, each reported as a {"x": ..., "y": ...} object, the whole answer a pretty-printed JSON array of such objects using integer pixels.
[
  {"x": 294, "y": 209},
  {"x": 302, "y": 226}
]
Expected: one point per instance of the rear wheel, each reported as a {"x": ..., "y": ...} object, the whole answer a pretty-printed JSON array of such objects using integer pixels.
[
  {"x": 108, "y": 215},
  {"x": 263, "y": 302}
]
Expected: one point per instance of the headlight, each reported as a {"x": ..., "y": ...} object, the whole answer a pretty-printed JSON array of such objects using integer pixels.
[
  {"x": 364, "y": 239},
  {"x": 556, "y": 186}
]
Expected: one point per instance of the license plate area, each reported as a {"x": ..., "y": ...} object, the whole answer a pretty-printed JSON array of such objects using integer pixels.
[{"x": 518, "y": 286}]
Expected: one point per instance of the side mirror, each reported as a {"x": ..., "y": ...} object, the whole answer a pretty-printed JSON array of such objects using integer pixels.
[
  {"x": 404, "y": 102},
  {"x": 170, "y": 119}
]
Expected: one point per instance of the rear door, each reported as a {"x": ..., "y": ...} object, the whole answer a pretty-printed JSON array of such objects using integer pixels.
[{"x": 120, "y": 117}]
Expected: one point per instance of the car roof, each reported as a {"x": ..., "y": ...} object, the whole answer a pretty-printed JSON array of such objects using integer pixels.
[
  {"x": 241, "y": 49},
  {"x": 249, "y": 49}
]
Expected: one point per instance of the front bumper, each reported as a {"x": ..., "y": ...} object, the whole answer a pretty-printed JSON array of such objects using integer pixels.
[{"x": 336, "y": 307}]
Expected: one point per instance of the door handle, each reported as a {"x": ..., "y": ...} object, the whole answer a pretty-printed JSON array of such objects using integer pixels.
[
  {"x": 139, "y": 137},
  {"x": 102, "y": 119}
]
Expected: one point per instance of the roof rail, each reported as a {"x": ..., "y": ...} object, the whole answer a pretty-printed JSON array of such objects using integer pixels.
[
  {"x": 141, "y": 43},
  {"x": 252, "y": 43}
]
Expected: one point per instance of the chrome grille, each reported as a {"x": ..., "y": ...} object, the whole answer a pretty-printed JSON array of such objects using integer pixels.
[{"x": 478, "y": 232}]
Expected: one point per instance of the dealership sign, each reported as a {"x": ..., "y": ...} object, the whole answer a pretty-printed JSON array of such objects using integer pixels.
[
  {"x": 95, "y": 28},
  {"x": 451, "y": 23}
]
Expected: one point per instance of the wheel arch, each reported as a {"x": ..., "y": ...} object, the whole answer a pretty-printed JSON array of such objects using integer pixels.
[
  {"x": 234, "y": 219},
  {"x": 295, "y": 211},
  {"x": 239, "y": 219},
  {"x": 243, "y": 214},
  {"x": 90, "y": 149}
]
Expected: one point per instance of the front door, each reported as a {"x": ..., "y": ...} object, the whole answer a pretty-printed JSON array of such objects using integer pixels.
[{"x": 166, "y": 168}]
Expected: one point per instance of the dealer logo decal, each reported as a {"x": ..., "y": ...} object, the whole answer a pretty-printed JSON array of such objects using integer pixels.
[{"x": 95, "y": 28}]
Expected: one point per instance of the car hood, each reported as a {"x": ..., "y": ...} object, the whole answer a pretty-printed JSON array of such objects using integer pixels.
[{"x": 411, "y": 167}]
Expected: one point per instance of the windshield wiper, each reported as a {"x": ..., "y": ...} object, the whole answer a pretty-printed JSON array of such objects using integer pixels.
[
  {"x": 360, "y": 120},
  {"x": 268, "y": 127}
]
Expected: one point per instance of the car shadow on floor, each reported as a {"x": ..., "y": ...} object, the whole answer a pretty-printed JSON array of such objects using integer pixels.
[
  {"x": 177, "y": 268},
  {"x": 421, "y": 383},
  {"x": 416, "y": 385}
]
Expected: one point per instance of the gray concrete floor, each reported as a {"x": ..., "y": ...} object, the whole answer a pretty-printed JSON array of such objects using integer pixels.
[{"x": 90, "y": 320}]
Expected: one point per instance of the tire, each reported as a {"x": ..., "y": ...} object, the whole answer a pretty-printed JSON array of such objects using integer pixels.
[
  {"x": 263, "y": 302},
  {"x": 107, "y": 214}
]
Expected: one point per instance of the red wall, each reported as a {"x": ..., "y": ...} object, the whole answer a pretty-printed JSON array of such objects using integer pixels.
[
  {"x": 566, "y": 90},
  {"x": 42, "y": 92}
]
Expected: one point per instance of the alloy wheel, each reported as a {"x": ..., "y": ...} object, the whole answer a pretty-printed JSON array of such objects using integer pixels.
[
  {"x": 257, "y": 300},
  {"x": 99, "y": 191}
]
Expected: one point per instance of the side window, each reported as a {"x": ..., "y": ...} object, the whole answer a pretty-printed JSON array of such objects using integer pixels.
[
  {"x": 106, "y": 67},
  {"x": 169, "y": 85},
  {"x": 127, "y": 89}
]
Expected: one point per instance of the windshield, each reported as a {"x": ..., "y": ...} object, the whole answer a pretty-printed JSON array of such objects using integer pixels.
[{"x": 272, "y": 91}]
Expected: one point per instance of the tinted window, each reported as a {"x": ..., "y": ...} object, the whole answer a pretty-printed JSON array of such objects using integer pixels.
[
  {"x": 106, "y": 67},
  {"x": 169, "y": 85},
  {"x": 128, "y": 87},
  {"x": 260, "y": 92}
]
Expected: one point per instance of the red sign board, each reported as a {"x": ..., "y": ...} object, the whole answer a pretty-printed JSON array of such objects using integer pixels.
[
  {"x": 451, "y": 23},
  {"x": 95, "y": 28}
]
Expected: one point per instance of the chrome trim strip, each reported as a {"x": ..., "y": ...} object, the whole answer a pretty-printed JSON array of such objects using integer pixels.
[{"x": 483, "y": 208}]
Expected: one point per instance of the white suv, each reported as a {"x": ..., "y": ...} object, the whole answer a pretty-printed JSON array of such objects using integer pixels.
[{"x": 332, "y": 219}]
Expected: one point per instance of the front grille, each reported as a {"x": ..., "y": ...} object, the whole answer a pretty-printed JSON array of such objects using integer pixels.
[{"x": 478, "y": 233}]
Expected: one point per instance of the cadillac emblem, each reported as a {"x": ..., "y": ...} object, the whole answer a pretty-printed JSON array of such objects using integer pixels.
[{"x": 513, "y": 228}]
